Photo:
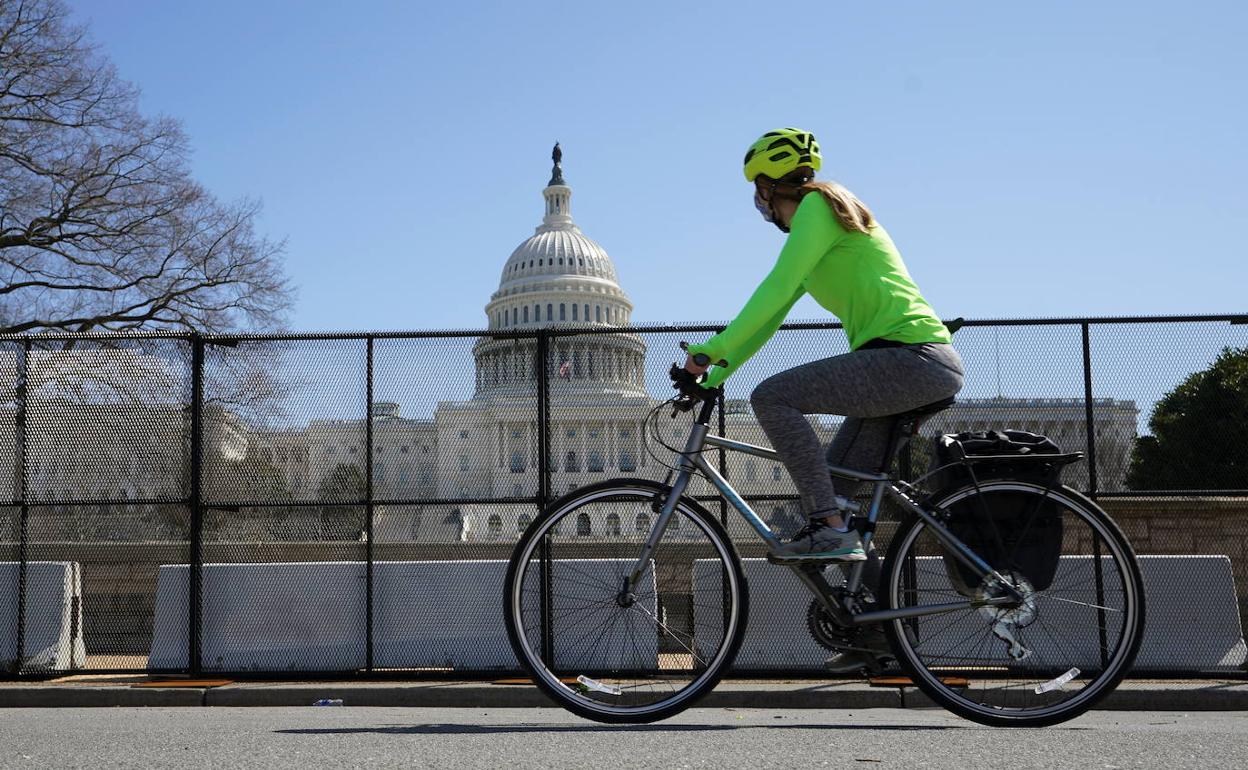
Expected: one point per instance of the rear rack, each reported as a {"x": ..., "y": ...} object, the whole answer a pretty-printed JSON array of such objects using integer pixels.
[{"x": 1066, "y": 458}]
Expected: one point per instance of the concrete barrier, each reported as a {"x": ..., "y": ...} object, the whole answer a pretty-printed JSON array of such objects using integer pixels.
[
  {"x": 53, "y": 623},
  {"x": 1192, "y": 621},
  {"x": 309, "y": 616}
]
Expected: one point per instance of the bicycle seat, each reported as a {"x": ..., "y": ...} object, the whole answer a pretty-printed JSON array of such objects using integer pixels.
[{"x": 924, "y": 411}]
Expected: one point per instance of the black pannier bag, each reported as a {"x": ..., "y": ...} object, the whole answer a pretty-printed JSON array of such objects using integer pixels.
[{"x": 1016, "y": 534}]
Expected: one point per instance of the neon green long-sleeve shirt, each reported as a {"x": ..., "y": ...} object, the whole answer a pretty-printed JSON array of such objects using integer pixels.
[{"x": 859, "y": 277}]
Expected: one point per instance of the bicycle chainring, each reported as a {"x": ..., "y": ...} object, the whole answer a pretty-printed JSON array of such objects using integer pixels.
[{"x": 824, "y": 631}]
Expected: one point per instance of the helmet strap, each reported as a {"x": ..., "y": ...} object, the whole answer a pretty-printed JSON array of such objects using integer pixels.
[{"x": 793, "y": 193}]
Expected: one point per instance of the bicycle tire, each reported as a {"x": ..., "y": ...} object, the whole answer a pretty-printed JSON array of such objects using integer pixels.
[
  {"x": 555, "y": 680},
  {"x": 1003, "y": 704}
]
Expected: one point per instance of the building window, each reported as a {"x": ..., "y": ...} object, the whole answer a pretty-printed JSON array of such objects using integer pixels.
[
  {"x": 517, "y": 462},
  {"x": 550, "y": 312},
  {"x": 463, "y": 462},
  {"x": 495, "y": 526},
  {"x": 571, "y": 433},
  {"x": 515, "y": 434},
  {"x": 526, "y": 314},
  {"x": 643, "y": 523},
  {"x": 523, "y": 523},
  {"x": 518, "y": 490},
  {"x": 775, "y": 473},
  {"x": 613, "y": 524},
  {"x": 582, "y": 259},
  {"x": 404, "y": 475},
  {"x": 583, "y": 527},
  {"x": 537, "y": 312},
  {"x": 463, "y": 434},
  {"x": 624, "y": 433},
  {"x": 570, "y": 463},
  {"x": 627, "y": 463},
  {"x": 563, "y": 315},
  {"x": 598, "y": 313},
  {"x": 587, "y": 312},
  {"x": 561, "y": 260},
  {"x": 594, "y": 463},
  {"x": 423, "y": 447},
  {"x": 574, "y": 307}
]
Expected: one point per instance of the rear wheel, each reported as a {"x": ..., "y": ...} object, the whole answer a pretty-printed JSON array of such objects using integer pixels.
[
  {"x": 624, "y": 656},
  {"x": 1037, "y": 662}
]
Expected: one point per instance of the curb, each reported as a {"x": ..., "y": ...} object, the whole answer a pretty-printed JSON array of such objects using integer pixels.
[{"x": 1131, "y": 696}]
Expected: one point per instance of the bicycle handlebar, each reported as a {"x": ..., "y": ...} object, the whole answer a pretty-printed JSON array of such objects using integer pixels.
[{"x": 686, "y": 382}]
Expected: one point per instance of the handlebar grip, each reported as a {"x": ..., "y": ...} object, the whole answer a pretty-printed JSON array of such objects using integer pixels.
[{"x": 701, "y": 359}]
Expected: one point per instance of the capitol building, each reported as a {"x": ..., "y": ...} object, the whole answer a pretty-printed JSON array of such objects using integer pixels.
[
  {"x": 432, "y": 472},
  {"x": 487, "y": 447}
]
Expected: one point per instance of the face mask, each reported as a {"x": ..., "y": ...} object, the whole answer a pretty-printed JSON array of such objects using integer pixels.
[{"x": 763, "y": 209}]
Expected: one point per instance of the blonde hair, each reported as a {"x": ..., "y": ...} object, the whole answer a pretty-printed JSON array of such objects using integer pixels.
[{"x": 852, "y": 213}]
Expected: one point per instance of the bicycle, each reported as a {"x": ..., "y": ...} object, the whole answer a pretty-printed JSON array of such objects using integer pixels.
[{"x": 635, "y": 625}]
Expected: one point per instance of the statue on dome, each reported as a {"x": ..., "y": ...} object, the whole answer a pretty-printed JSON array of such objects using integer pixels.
[{"x": 556, "y": 176}]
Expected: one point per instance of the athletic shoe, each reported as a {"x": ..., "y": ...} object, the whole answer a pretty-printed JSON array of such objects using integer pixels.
[{"x": 820, "y": 540}]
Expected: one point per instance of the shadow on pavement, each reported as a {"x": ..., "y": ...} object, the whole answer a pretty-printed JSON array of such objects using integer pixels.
[{"x": 452, "y": 729}]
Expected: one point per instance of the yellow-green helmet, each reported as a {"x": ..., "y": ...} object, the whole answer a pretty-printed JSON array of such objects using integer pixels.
[{"x": 776, "y": 153}]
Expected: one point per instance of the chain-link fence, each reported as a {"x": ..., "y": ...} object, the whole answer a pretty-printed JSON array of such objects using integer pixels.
[{"x": 345, "y": 503}]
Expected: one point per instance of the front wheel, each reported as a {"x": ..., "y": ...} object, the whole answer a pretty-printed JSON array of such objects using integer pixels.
[
  {"x": 1035, "y": 662},
  {"x": 609, "y": 651}
]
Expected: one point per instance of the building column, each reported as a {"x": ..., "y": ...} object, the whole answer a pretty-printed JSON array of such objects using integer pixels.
[
  {"x": 584, "y": 444},
  {"x": 612, "y": 441}
]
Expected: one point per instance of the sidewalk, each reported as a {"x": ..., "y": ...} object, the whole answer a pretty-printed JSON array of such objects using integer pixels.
[{"x": 88, "y": 690}]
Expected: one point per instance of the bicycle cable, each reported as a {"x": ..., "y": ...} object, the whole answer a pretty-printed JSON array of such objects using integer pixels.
[{"x": 653, "y": 429}]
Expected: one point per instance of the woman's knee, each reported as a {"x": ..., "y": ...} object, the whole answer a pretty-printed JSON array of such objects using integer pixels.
[{"x": 765, "y": 394}]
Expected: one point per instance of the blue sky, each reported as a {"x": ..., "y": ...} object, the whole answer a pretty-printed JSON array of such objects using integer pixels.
[{"x": 1039, "y": 159}]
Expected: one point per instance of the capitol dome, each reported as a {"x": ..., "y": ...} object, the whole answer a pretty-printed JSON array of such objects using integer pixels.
[{"x": 559, "y": 277}]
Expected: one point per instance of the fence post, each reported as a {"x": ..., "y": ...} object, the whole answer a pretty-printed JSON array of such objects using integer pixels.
[
  {"x": 196, "y": 577},
  {"x": 368, "y": 512},
  {"x": 1087, "y": 406},
  {"x": 542, "y": 355},
  {"x": 20, "y": 453},
  {"x": 543, "y": 418}
]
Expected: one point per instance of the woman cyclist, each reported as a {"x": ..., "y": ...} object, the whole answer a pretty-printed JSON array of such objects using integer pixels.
[{"x": 901, "y": 357}]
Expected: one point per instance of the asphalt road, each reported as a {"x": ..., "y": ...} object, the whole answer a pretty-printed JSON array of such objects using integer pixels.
[{"x": 323, "y": 737}]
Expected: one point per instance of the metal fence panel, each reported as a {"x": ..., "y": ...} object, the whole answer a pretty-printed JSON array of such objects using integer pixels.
[{"x": 360, "y": 493}]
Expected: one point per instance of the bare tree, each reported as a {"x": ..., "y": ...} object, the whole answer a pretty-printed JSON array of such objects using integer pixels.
[{"x": 101, "y": 225}]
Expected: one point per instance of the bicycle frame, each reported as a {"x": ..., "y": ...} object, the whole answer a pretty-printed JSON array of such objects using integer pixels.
[{"x": 700, "y": 437}]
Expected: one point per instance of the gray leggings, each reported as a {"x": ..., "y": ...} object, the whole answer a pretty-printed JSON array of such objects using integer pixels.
[{"x": 867, "y": 386}]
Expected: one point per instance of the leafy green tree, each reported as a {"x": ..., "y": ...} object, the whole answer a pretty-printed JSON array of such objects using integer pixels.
[{"x": 1199, "y": 432}]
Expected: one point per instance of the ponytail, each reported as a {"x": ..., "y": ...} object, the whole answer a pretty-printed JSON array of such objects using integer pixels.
[{"x": 852, "y": 213}]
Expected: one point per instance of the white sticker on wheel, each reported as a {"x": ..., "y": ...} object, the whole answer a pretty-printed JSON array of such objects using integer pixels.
[
  {"x": 1058, "y": 683},
  {"x": 599, "y": 686}
]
